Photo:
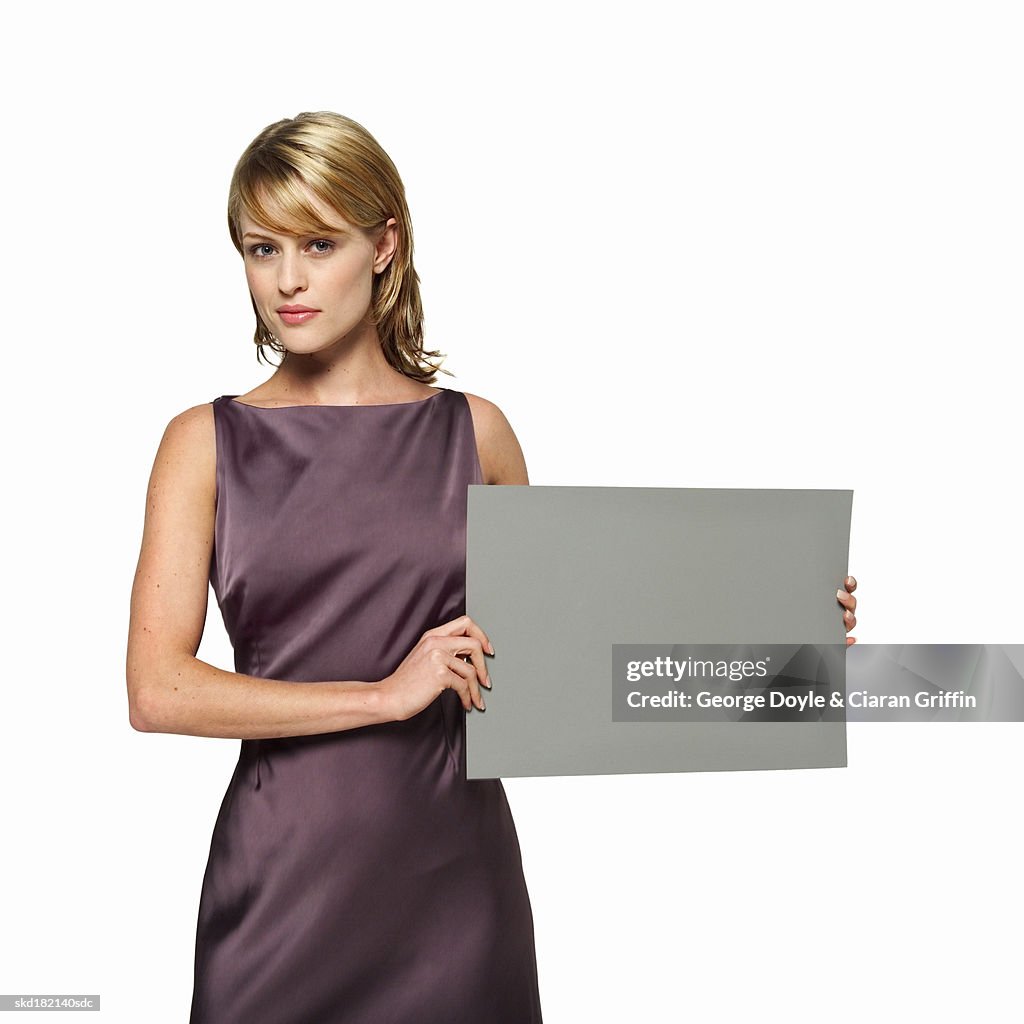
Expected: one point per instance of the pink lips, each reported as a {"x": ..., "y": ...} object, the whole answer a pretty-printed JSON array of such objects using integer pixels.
[{"x": 294, "y": 315}]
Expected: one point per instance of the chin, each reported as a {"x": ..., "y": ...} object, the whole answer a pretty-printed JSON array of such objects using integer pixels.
[{"x": 304, "y": 346}]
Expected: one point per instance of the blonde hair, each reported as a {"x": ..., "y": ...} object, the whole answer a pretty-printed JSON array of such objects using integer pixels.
[{"x": 344, "y": 166}]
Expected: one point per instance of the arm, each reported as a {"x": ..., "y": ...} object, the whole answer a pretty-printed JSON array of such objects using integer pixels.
[
  {"x": 501, "y": 457},
  {"x": 169, "y": 689}
]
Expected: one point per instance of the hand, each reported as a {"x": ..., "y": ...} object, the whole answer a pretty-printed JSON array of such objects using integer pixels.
[
  {"x": 849, "y": 602},
  {"x": 436, "y": 664}
]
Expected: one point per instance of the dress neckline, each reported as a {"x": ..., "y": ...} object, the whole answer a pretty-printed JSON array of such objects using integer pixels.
[{"x": 379, "y": 405}]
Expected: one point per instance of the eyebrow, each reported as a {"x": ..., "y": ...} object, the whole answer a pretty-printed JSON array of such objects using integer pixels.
[{"x": 305, "y": 234}]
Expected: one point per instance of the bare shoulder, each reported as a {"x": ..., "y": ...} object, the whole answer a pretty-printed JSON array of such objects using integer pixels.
[
  {"x": 188, "y": 448},
  {"x": 182, "y": 484},
  {"x": 501, "y": 457},
  {"x": 193, "y": 425},
  {"x": 180, "y": 502}
]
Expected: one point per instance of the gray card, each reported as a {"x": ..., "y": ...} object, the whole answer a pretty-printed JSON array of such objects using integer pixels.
[{"x": 563, "y": 578}]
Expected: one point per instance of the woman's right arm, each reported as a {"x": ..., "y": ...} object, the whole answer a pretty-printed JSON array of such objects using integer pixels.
[{"x": 169, "y": 689}]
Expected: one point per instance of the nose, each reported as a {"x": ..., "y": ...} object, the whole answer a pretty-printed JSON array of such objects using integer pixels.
[{"x": 291, "y": 274}]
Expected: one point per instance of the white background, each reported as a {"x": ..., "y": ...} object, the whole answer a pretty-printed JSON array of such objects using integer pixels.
[{"x": 717, "y": 244}]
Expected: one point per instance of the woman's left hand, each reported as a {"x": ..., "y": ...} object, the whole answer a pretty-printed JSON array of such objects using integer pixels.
[{"x": 849, "y": 602}]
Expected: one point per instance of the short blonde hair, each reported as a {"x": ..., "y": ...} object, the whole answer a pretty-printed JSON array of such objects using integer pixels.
[{"x": 344, "y": 166}]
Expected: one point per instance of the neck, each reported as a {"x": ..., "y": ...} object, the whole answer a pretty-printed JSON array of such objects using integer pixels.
[{"x": 349, "y": 373}]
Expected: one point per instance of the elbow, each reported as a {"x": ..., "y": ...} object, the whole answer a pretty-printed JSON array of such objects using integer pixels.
[
  {"x": 153, "y": 672},
  {"x": 136, "y": 723},
  {"x": 145, "y": 705},
  {"x": 142, "y": 713}
]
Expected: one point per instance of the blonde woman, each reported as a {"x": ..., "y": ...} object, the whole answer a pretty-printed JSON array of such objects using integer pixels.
[{"x": 355, "y": 875}]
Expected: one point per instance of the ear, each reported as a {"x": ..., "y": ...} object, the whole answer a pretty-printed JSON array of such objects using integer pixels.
[{"x": 386, "y": 246}]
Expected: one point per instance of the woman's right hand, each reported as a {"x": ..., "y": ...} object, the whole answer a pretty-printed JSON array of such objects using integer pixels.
[{"x": 435, "y": 664}]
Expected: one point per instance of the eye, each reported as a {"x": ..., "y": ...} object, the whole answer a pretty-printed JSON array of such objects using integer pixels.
[
  {"x": 322, "y": 242},
  {"x": 256, "y": 250}
]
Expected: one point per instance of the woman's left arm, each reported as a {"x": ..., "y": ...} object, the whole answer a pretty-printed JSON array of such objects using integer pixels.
[
  {"x": 849, "y": 603},
  {"x": 501, "y": 458}
]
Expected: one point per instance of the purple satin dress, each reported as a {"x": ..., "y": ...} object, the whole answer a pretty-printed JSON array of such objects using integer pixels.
[{"x": 354, "y": 877}]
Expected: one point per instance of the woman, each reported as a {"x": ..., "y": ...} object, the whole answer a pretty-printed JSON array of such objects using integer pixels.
[{"x": 355, "y": 875}]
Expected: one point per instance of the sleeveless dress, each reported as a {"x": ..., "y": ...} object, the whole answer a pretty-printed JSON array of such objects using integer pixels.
[{"x": 354, "y": 877}]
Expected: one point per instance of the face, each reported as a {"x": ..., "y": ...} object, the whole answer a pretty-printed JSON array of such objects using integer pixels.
[{"x": 314, "y": 290}]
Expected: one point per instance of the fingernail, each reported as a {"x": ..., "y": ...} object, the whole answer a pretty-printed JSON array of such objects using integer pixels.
[
  {"x": 840, "y": 593},
  {"x": 487, "y": 682},
  {"x": 490, "y": 648}
]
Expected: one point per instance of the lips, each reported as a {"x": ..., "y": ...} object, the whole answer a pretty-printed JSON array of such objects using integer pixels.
[{"x": 295, "y": 315}]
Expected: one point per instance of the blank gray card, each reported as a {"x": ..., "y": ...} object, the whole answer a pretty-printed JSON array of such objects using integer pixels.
[{"x": 557, "y": 575}]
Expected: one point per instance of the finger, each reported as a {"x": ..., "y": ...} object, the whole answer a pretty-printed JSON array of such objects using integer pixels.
[
  {"x": 850, "y": 583},
  {"x": 850, "y": 641},
  {"x": 463, "y": 626},
  {"x": 849, "y": 620},
  {"x": 470, "y": 646},
  {"x": 846, "y": 600},
  {"x": 468, "y": 690},
  {"x": 472, "y": 628}
]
